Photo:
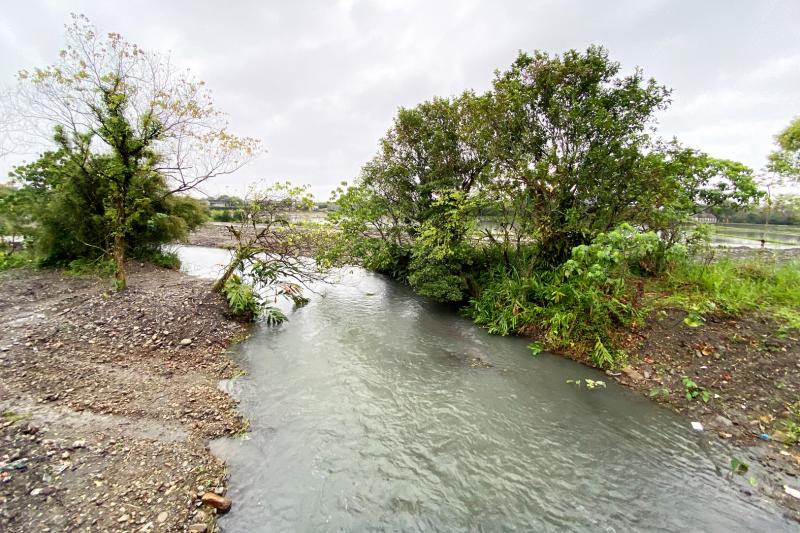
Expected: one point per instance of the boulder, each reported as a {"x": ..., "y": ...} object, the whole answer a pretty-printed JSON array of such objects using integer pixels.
[{"x": 220, "y": 503}]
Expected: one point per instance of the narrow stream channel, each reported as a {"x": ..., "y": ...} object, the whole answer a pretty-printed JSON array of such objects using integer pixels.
[{"x": 368, "y": 413}]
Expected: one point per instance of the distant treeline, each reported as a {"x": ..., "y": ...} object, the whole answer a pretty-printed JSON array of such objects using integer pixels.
[{"x": 782, "y": 209}]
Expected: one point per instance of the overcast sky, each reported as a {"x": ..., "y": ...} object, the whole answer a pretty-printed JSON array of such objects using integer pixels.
[{"x": 319, "y": 82}]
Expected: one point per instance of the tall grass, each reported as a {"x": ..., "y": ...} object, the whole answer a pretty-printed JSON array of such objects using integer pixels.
[{"x": 735, "y": 286}]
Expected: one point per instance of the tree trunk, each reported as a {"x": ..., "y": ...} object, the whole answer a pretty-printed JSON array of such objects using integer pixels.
[
  {"x": 120, "y": 279},
  {"x": 232, "y": 266}
]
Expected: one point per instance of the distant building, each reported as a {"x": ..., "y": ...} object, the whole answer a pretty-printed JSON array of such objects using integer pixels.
[
  {"x": 704, "y": 218},
  {"x": 220, "y": 204}
]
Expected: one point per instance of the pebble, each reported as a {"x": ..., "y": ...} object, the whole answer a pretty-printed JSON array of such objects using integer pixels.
[
  {"x": 198, "y": 528},
  {"x": 162, "y": 517},
  {"x": 186, "y": 342}
]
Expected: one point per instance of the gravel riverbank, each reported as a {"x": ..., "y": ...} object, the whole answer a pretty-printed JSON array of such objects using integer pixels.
[{"x": 108, "y": 401}]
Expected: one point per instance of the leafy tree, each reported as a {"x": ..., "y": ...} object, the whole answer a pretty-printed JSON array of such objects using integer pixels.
[
  {"x": 688, "y": 182},
  {"x": 561, "y": 150},
  {"x": 442, "y": 253},
  {"x": 570, "y": 138},
  {"x": 65, "y": 195},
  {"x": 786, "y": 160},
  {"x": 128, "y": 117}
]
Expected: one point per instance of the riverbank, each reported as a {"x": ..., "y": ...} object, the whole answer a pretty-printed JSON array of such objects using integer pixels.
[
  {"x": 737, "y": 374},
  {"x": 109, "y": 399},
  {"x": 748, "y": 369}
]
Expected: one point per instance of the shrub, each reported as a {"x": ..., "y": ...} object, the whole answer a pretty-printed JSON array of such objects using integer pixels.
[
  {"x": 164, "y": 259},
  {"x": 100, "y": 266},
  {"x": 10, "y": 260},
  {"x": 578, "y": 304},
  {"x": 243, "y": 301}
]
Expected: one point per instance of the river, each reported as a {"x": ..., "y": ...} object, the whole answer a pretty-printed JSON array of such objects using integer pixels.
[{"x": 369, "y": 412}]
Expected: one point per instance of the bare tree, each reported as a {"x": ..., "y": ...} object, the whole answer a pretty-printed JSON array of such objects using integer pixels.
[{"x": 270, "y": 251}]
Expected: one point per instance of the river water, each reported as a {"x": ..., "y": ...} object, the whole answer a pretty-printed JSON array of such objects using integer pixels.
[{"x": 369, "y": 412}]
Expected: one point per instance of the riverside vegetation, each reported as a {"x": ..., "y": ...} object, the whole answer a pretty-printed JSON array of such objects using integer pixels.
[{"x": 546, "y": 207}]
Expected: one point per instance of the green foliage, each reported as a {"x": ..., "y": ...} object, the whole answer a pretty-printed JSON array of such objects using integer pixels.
[
  {"x": 10, "y": 260},
  {"x": 693, "y": 391},
  {"x": 657, "y": 392},
  {"x": 786, "y": 160},
  {"x": 68, "y": 206},
  {"x": 100, "y": 266},
  {"x": 536, "y": 348},
  {"x": 738, "y": 466},
  {"x": 131, "y": 132},
  {"x": 733, "y": 287},
  {"x": 545, "y": 202},
  {"x": 269, "y": 252},
  {"x": 273, "y": 316},
  {"x": 161, "y": 258},
  {"x": 591, "y": 384},
  {"x": 576, "y": 305},
  {"x": 442, "y": 250},
  {"x": 243, "y": 301},
  {"x": 791, "y": 425}
]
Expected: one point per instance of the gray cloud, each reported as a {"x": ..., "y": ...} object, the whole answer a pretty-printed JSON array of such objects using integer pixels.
[{"x": 320, "y": 82}]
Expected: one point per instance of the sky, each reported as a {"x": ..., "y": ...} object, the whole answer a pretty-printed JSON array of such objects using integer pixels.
[{"x": 320, "y": 82}]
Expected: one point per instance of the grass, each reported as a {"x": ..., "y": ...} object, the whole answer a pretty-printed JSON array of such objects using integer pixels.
[
  {"x": 733, "y": 287},
  {"x": 101, "y": 266},
  {"x": 15, "y": 260},
  {"x": 161, "y": 258},
  {"x": 13, "y": 417}
]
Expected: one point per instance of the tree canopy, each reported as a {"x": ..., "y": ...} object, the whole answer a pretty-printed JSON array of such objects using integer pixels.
[
  {"x": 131, "y": 132},
  {"x": 559, "y": 151}
]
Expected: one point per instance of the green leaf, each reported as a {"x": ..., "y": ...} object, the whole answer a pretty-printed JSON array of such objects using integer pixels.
[
  {"x": 738, "y": 466},
  {"x": 536, "y": 348}
]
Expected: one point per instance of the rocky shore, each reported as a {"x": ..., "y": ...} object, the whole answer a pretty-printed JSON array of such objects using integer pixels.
[{"x": 108, "y": 402}]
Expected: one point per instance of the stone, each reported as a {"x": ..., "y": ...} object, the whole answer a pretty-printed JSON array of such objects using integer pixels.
[
  {"x": 198, "y": 528},
  {"x": 781, "y": 437},
  {"x": 186, "y": 342},
  {"x": 220, "y": 503},
  {"x": 162, "y": 517},
  {"x": 123, "y": 518},
  {"x": 724, "y": 422},
  {"x": 80, "y": 443},
  {"x": 632, "y": 373}
]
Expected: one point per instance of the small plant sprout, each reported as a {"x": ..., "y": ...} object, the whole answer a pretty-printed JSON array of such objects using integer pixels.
[{"x": 693, "y": 391}]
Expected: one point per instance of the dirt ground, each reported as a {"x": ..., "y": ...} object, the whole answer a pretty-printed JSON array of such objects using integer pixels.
[
  {"x": 750, "y": 369},
  {"x": 213, "y": 234},
  {"x": 108, "y": 401}
]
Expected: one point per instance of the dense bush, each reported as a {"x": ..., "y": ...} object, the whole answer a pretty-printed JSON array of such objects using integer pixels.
[
  {"x": 577, "y": 305},
  {"x": 68, "y": 216}
]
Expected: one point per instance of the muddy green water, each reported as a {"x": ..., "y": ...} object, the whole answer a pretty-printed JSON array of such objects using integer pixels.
[{"x": 367, "y": 415}]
